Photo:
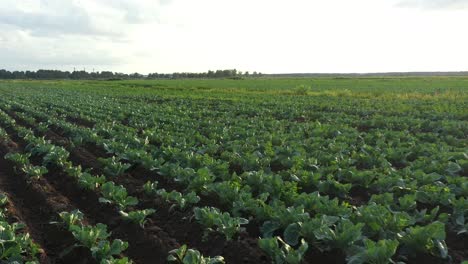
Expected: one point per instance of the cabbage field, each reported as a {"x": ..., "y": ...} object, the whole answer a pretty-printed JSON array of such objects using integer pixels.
[{"x": 280, "y": 170}]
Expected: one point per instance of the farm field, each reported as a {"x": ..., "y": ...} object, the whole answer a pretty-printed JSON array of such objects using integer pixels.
[{"x": 285, "y": 170}]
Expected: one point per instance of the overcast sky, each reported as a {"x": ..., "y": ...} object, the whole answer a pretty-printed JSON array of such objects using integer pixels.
[{"x": 271, "y": 36}]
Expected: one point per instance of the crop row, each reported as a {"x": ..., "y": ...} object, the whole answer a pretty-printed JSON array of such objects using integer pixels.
[
  {"x": 92, "y": 237},
  {"x": 375, "y": 185}
]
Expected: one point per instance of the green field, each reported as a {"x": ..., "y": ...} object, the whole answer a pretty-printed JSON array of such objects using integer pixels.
[{"x": 260, "y": 170}]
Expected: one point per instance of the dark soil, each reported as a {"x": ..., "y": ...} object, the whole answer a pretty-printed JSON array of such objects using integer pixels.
[
  {"x": 80, "y": 121},
  {"x": 147, "y": 245},
  {"x": 458, "y": 246},
  {"x": 331, "y": 257},
  {"x": 37, "y": 205},
  {"x": 358, "y": 195},
  {"x": 177, "y": 224},
  {"x": 151, "y": 243}
]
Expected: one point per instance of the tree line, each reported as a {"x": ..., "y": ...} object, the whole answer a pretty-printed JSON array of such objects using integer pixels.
[{"x": 108, "y": 75}]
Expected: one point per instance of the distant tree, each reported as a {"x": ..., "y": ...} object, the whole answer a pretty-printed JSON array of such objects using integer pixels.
[
  {"x": 30, "y": 75},
  {"x": 4, "y": 74},
  {"x": 79, "y": 75},
  {"x": 136, "y": 75},
  {"x": 211, "y": 74},
  {"x": 18, "y": 75},
  {"x": 83, "y": 75},
  {"x": 106, "y": 75},
  {"x": 218, "y": 74},
  {"x": 94, "y": 75},
  {"x": 120, "y": 75}
]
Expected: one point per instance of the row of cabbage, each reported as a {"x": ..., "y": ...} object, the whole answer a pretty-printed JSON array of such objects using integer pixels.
[
  {"x": 93, "y": 237},
  {"x": 283, "y": 182},
  {"x": 16, "y": 245}
]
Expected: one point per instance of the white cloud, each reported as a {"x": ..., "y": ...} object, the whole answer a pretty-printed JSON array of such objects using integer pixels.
[
  {"x": 261, "y": 35},
  {"x": 84, "y": 17},
  {"x": 23, "y": 51},
  {"x": 435, "y": 4}
]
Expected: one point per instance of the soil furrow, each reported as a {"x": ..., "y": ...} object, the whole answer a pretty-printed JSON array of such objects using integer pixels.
[
  {"x": 38, "y": 204},
  {"x": 149, "y": 245},
  {"x": 176, "y": 223}
]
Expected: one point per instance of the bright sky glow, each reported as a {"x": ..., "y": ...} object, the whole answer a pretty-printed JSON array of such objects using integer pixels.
[{"x": 271, "y": 36}]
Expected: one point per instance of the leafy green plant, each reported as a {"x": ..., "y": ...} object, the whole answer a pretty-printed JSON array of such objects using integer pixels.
[
  {"x": 138, "y": 216},
  {"x": 434, "y": 193},
  {"x": 423, "y": 216},
  {"x": 407, "y": 202},
  {"x": 114, "y": 194},
  {"x": 341, "y": 235},
  {"x": 301, "y": 89},
  {"x": 150, "y": 188},
  {"x": 327, "y": 232},
  {"x": 381, "y": 221},
  {"x": 332, "y": 186},
  {"x": 95, "y": 238},
  {"x": 200, "y": 180},
  {"x": 280, "y": 252},
  {"x": 3, "y": 134},
  {"x": 38, "y": 146},
  {"x": 25, "y": 132},
  {"x": 3, "y": 199},
  {"x": 458, "y": 219},
  {"x": 282, "y": 217},
  {"x": 89, "y": 235},
  {"x": 105, "y": 250},
  {"x": 74, "y": 171},
  {"x": 113, "y": 167},
  {"x": 380, "y": 252},
  {"x": 184, "y": 255},
  {"x": 308, "y": 229},
  {"x": 91, "y": 182},
  {"x": 141, "y": 157},
  {"x": 42, "y": 127},
  {"x": 227, "y": 191},
  {"x": 34, "y": 172},
  {"x": 15, "y": 246},
  {"x": 19, "y": 159},
  {"x": 71, "y": 218},
  {"x": 211, "y": 217},
  {"x": 357, "y": 177},
  {"x": 345, "y": 234},
  {"x": 180, "y": 200},
  {"x": 112, "y": 260},
  {"x": 57, "y": 156},
  {"x": 425, "y": 239}
]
